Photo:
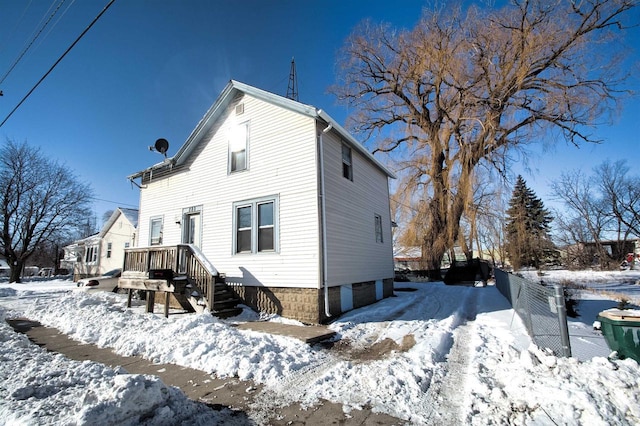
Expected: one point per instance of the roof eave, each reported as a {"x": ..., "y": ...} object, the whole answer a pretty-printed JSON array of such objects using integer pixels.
[{"x": 353, "y": 142}]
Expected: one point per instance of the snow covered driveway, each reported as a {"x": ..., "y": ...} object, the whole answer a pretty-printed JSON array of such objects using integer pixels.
[{"x": 436, "y": 355}]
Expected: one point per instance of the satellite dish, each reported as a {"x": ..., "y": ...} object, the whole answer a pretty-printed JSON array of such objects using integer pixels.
[{"x": 162, "y": 145}]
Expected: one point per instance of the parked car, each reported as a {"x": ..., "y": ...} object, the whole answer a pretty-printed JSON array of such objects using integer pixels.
[{"x": 106, "y": 282}]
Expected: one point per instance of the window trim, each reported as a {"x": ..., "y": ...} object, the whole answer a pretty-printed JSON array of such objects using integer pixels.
[
  {"x": 348, "y": 163},
  {"x": 255, "y": 228},
  {"x": 231, "y": 140},
  {"x": 153, "y": 219}
]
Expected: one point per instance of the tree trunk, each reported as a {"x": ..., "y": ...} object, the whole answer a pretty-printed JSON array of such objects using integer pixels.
[{"x": 15, "y": 270}]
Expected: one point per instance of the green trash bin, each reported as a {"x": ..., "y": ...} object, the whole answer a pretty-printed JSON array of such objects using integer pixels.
[{"x": 621, "y": 330}]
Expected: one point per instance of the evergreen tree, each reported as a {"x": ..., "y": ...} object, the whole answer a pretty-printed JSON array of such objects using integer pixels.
[{"x": 527, "y": 228}]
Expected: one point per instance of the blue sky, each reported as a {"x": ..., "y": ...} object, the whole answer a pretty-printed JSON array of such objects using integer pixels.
[{"x": 151, "y": 69}]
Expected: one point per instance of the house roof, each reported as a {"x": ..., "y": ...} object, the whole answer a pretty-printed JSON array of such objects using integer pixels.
[
  {"x": 228, "y": 94},
  {"x": 130, "y": 214}
]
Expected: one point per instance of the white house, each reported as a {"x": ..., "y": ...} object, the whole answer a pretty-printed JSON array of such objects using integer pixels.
[
  {"x": 278, "y": 198},
  {"x": 104, "y": 251}
]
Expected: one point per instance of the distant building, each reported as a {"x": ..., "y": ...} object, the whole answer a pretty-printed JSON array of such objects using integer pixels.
[{"x": 104, "y": 251}]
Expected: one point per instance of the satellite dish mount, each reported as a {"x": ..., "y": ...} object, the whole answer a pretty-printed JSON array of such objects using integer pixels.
[{"x": 161, "y": 146}]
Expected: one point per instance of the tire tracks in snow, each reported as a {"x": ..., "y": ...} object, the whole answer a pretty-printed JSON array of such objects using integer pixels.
[
  {"x": 446, "y": 391},
  {"x": 289, "y": 390}
]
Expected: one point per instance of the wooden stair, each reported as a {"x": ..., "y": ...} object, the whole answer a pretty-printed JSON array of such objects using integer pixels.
[
  {"x": 225, "y": 302},
  {"x": 183, "y": 272}
]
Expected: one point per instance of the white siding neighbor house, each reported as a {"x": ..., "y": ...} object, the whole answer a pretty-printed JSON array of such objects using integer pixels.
[
  {"x": 104, "y": 251},
  {"x": 277, "y": 198}
]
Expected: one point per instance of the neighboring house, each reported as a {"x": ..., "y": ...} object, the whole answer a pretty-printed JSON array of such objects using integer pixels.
[
  {"x": 4, "y": 267},
  {"x": 278, "y": 198},
  {"x": 104, "y": 251},
  {"x": 616, "y": 250}
]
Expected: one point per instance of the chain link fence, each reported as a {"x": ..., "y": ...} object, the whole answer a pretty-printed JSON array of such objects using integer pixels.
[{"x": 541, "y": 308}]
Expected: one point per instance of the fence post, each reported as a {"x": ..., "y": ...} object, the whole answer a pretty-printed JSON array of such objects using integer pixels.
[{"x": 562, "y": 318}]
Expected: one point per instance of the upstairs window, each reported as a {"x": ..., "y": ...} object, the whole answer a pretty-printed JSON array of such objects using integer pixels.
[
  {"x": 239, "y": 147},
  {"x": 347, "y": 167},
  {"x": 255, "y": 226},
  {"x": 155, "y": 231},
  {"x": 109, "y": 246},
  {"x": 378, "y": 228}
]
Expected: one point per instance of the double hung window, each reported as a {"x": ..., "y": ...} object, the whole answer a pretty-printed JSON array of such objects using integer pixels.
[
  {"x": 347, "y": 166},
  {"x": 255, "y": 225},
  {"x": 378, "y": 228},
  {"x": 239, "y": 147}
]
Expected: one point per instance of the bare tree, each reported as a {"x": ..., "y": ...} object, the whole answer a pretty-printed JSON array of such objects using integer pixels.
[
  {"x": 604, "y": 206},
  {"x": 585, "y": 219},
  {"x": 621, "y": 192},
  {"x": 40, "y": 201},
  {"x": 461, "y": 90}
]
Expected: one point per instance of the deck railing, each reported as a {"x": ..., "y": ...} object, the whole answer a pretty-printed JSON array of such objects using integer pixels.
[{"x": 183, "y": 260}]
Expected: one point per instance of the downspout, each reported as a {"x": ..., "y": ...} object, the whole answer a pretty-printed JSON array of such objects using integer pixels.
[{"x": 323, "y": 211}]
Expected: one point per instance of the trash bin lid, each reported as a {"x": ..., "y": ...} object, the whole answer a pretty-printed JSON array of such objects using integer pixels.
[{"x": 622, "y": 314}]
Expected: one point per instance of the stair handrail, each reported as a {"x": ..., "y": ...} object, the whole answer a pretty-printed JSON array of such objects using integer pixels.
[{"x": 199, "y": 271}]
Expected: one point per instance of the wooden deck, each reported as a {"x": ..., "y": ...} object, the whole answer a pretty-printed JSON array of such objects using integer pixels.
[{"x": 179, "y": 271}]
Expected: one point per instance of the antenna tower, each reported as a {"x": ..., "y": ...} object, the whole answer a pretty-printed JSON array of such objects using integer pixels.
[{"x": 292, "y": 89}]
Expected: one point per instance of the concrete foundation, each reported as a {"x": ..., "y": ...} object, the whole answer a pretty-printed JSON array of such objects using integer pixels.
[{"x": 307, "y": 304}]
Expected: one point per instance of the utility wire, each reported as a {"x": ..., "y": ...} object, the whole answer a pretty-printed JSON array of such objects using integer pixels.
[
  {"x": 54, "y": 25},
  {"x": 58, "y": 61},
  {"x": 35, "y": 37},
  {"x": 15, "y": 27}
]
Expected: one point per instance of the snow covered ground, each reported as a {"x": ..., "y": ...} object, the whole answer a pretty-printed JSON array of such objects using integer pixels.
[{"x": 435, "y": 354}]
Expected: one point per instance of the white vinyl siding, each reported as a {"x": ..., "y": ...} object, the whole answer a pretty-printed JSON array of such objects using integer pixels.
[
  {"x": 353, "y": 253},
  {"x": 282, "y": 163}
]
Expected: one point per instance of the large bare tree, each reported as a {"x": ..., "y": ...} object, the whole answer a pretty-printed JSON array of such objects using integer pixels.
[
  {"x": 463, "y": 89},
  {"x": 40, "y": 201}
]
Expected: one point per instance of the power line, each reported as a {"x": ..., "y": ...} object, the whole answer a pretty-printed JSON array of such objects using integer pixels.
[
  {"x": 35, "y": 37},
  {"x": 58, "y": 61},
  {"x": 114, "y": 202},
  {"x": 15, "y": 27}
]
